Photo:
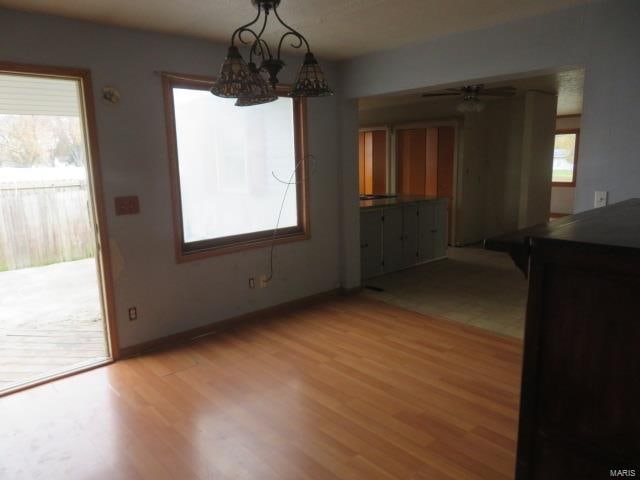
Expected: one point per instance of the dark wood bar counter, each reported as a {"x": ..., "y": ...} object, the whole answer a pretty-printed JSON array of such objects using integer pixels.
[{"x": 580, "y": 397}]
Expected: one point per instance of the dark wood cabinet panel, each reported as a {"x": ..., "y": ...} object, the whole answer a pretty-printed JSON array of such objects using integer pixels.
[{"x": 580, "y": 400}]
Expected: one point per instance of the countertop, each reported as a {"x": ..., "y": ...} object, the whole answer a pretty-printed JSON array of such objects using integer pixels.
[
  {"x": 397, "y": 200},
  {"x": 617, "y": 225}
]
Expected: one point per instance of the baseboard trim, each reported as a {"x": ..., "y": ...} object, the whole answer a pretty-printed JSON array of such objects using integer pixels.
[
  {"x": 424, "y": 262},
  {"x": 349, "y": 291},
  {"x": 215, "y": 327}
]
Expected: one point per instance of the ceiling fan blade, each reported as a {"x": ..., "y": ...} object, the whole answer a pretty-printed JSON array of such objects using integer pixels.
[
  {"x": 497, "y": 94},
  {"x": 440, "y": 94},
  {"x": 499, "y": 89}
]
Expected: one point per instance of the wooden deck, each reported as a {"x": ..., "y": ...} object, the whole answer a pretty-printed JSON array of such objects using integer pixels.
[
  {"x": 50, "y": 321},
  {"x": 29, "y": 354},
  {"x": 345, "y": 389}
]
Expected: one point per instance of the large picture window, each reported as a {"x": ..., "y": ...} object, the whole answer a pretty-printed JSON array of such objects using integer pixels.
[{"x": 231, "y": 167}]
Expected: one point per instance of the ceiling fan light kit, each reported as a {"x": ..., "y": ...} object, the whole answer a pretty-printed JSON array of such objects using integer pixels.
[
  {"x": 245, "y": 81},
  {"x": 470, "y": 96},
  {"x": 470, "y": 105}
]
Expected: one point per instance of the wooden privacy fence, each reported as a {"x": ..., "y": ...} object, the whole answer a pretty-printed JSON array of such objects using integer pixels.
[{"x": 44, "y": 224}]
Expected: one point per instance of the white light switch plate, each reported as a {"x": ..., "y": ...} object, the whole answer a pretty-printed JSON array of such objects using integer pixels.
[{"x": 600, "y": 199}]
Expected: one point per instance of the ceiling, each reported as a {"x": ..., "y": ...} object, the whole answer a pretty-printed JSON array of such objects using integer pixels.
[
  {"x": 568, "y": 85},
  {"x": 336, "y": 29}
]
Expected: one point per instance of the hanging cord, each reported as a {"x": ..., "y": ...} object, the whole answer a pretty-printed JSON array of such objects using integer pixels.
[{"x": 284, "y": 198}]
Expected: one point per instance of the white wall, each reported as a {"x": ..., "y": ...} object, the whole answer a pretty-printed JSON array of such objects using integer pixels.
[
  {"x": 537, "y": 158},
  {"x": 504, "y": 126},
  {"x": 133, "y": 154},
  {"x": 563, "y": 200},
  {"x": 602, "y": 36}
]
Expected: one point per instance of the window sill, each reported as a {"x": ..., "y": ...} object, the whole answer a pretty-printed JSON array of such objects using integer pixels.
[{"x": 183, "y": 256}]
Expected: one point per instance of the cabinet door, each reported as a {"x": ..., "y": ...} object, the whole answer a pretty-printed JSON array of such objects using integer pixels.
[
  {"x": 392, "y": 239},
  {"x": 441, "y": 234},
  {"x": 426, "y": 227},
  {"x": 370, "y": 243},
  {"x": 372, "y": 161},
  {"x": 410, "y": 235},
  {"x": 446, "y": 152},
  {"x": 379, "y": 161},
  {"x": 361, "y": 168},
  {"x": 411, "y": 155}
]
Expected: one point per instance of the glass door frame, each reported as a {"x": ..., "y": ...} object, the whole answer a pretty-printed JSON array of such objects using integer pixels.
[{"x": 97, "y": 206}]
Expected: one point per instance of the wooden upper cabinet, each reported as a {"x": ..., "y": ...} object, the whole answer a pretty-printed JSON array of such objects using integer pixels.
[
  {"x": 372, "y": 161},
  {"x": 432, "y": 161},
  {"x": 412, "y": 161},
  {"x": 425, "y": 158},
  {"x": 446, "y": 147},
  {"x": 446, "y": 151},
  {"x": 361, "y": 137}
]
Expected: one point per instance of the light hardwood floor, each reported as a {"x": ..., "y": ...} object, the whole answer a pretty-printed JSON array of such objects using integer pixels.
[{"x": 346, "y": 388}]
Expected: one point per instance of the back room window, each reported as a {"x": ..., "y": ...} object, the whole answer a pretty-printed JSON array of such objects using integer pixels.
[
  {"x": 565, "y": 158},
  {"x": 231, "y": 167}
]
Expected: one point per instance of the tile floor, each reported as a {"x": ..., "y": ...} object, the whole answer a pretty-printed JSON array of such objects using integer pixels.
[{"x": 472, "y": 286}]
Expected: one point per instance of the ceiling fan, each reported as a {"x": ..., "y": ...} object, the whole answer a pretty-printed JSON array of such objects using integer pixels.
[{"x": 470, "y": 95}]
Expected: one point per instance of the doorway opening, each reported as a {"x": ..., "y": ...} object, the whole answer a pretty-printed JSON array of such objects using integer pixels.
[
  {"x": 53, "y": 315},
  {"x": 491, "y": 157}
]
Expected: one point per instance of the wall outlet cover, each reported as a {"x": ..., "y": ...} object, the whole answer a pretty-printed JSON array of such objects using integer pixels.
[{"x": 600, "y": 199}]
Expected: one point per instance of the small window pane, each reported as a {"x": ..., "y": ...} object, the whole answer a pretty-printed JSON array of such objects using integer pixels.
[
  {"x": 564, "y": 157},
  {"x": 228, "y": 158}
]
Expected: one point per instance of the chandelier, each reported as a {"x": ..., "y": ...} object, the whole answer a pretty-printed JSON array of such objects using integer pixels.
[{"x": 245, "y": 81}]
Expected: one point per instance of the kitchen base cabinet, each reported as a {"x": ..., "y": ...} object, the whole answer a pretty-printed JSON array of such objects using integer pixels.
[
  {"x": 441, "y": 231},
  {"x": 392, "y": 234},
  {"x": 410, "y": 229},
  {"x": 402, "y": 235},
  {"x": 427, "y": 231},
  {"x": 371, "y": 243}
]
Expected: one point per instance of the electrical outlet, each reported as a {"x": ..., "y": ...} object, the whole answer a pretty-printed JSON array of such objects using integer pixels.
[
  {"x": 133, "y": 314},
  {"x": 600, "y": 199},
  {"x": 252, "y": 283},
  {"x": 264, "y": 281}
]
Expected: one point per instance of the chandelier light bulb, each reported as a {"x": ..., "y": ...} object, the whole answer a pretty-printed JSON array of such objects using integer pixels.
[{"x": 245, "y": 82}]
